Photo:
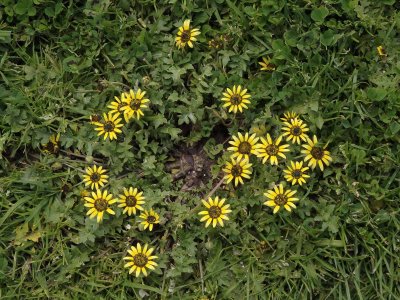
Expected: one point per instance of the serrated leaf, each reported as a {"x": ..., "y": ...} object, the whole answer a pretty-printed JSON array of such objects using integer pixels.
[
  {"x": 157, "y": 120},
  {"x": 173, "y": 132}
]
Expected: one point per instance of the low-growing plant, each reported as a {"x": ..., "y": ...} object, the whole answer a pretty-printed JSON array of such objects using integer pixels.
[{"x": 199, "y": 149}]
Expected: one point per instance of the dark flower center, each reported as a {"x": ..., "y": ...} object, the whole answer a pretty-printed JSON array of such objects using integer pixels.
[
  {"x": 271, "y": 66},
  {"x": 100, "y": 204},
  {"x": 135, "y": 105},
  {"x": 236, "y": 171},
  {"x": 151, "y": 219},
  {"x": 272, "y": 150},
  {"x": 120, "y": 106},
  {"x": 236, "y": 99},
  {"x": 185, "y": 36},
  {"x": 109, "y": 126},
  {"x": 131, "y": 201},
  {"x": 214, "y": 212},
  {"x": 317, "y": 153},
  {"x": 95, "y": 177},
  {"x": 52, "y": 147},
  {"x": 244, "y": 148},
  {"x": 280, "y": 199},
  {"x": 296, "y": 130},
  {"x": 140, "y": 260},
  {"x": 297, "y": 174}
]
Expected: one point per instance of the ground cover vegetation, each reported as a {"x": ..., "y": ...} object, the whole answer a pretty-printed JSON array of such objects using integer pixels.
[{"x": 211, "y": 149}]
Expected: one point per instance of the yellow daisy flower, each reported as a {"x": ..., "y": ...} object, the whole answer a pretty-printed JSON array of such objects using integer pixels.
[
  {"x": 236, "y": 99},
  {"x": 110, "y": 126},
  {"x": 316, "y": 155},
  {"x": 295, "y": 130},
  {"x": 216, "y": 212},
  {"x": 117, "y": 105},
  {"x": 296, "y": 173},
  {"x": 271, "y": 150},
  {"x": 95, "y": 176},
  {"x": 131, "y": 200},
  {"x": 278, "y": 198},
  {"x": 186, "y": 35},
  {"x": 381, "y": 50},
  {"x": 243, "y": 146},
  {"x": 237, "y": 170},
  {"x": 149, "y": 219},
  {"x": 135, "y": 103},
  {"x": 139, "y": 259},
  {"x": 266, "y": 64},
  {"x": 98, "y": 204},
  {"x": 288, "y": 116},
  {"x": 53, "y": 146}
]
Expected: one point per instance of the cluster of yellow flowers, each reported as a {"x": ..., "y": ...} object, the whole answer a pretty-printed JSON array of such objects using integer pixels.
[
  {"x": 239, "y": 168},
  {"x": 99, "y": 202},
  {"x": 130, "y": 105},
  {"x": 235, "y": 99}
]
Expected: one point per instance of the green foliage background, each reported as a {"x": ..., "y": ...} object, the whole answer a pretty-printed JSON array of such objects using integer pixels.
[{"x": 62, "y": 61}]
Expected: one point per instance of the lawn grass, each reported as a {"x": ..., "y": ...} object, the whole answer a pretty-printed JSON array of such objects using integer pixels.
[{"x": 64, "y": 61}]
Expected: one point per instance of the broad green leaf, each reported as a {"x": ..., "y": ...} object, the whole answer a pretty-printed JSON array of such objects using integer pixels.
[{"x": 319, "y": 14}]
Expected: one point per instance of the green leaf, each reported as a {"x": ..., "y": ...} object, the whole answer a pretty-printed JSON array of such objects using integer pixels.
[
  {"x": 331, "y": 243},
  {"x": 176, "y": 73},
  {"x": 358, "y": 156},
  {"x": 377, "y": 94},
  {"x": 394, "y": 127},
  {"x": 157, "y": 120},
  {"x": 5, "y": 36},
  {"x": 349, "y": 5},
  {"x": 226, "y": 56},
  {"x": 20, "y": 233},
  {"x": 22, "y": 7},
  {"x": 313, "y": 105},
  {"x": 58, "y": 8},
  {"x": 319, "y": 14},
  {"x": 319, "y": 122},
  {"x": 30, "y": 72},
  {"x": 31, "y": 11},
  {"x": 49, "y": 11},
  {"x": 235, "y": 9},
  {"x": 291, "y": 38},
  {"x": 282, "y": 51},
  {"x": 173, "y": 132},
  {"x": 329, "y": 37}
]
